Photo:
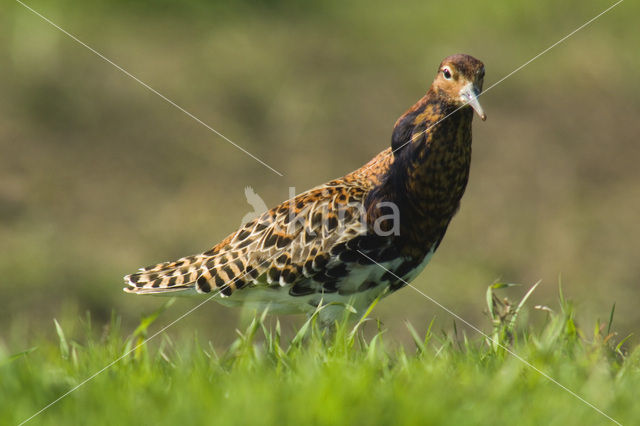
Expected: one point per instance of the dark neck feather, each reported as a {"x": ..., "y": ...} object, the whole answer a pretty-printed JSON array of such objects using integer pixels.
[{"x": 429, "y": 171}]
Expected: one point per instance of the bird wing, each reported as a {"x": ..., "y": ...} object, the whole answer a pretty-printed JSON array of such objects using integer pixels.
[{"x": 305, "y": 242}]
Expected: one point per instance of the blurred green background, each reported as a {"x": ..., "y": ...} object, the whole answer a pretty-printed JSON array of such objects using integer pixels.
[{"x": 99, "y": 176}]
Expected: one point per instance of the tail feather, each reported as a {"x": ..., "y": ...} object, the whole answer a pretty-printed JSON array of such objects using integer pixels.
[
  {"x": 173, "y": 291},
  {"x": 202, "y": 273},
  {"x": 175, "y": 264},
  {"x": 168, "y": 277}
]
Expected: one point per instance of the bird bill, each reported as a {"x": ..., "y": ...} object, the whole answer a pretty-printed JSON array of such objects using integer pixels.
[{"x": 469, "y": 97}]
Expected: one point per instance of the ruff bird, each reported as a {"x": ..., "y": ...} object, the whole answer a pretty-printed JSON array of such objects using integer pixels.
[{"x": 354, "y": 239}]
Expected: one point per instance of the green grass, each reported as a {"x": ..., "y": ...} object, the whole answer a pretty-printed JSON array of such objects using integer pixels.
[{"x": 338, "y": 377}]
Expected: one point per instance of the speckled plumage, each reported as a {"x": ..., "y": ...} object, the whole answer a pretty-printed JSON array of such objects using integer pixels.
[{"x": 322, "y": 245}]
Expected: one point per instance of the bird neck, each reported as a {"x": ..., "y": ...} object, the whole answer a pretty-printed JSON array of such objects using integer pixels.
[{"x": 431, "y": 146}]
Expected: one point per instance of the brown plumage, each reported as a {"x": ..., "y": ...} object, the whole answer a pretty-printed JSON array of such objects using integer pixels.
[{"x": 322, "y": 246}]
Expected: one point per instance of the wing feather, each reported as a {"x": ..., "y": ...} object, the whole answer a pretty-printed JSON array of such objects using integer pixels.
[{"x": 302, "y": 238}]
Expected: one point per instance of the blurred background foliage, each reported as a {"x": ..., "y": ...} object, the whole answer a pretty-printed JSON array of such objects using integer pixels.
[{"x": 99, "y": 176}]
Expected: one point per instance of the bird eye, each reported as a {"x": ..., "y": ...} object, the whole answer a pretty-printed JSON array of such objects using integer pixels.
[{"x": 446, "y": 72}]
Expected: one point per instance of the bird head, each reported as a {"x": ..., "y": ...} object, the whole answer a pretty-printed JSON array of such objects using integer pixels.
[{"x": 459, "y": 81}]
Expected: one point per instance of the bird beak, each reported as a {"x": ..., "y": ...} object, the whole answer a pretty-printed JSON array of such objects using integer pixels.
[{"x": 469, "y": 95}]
